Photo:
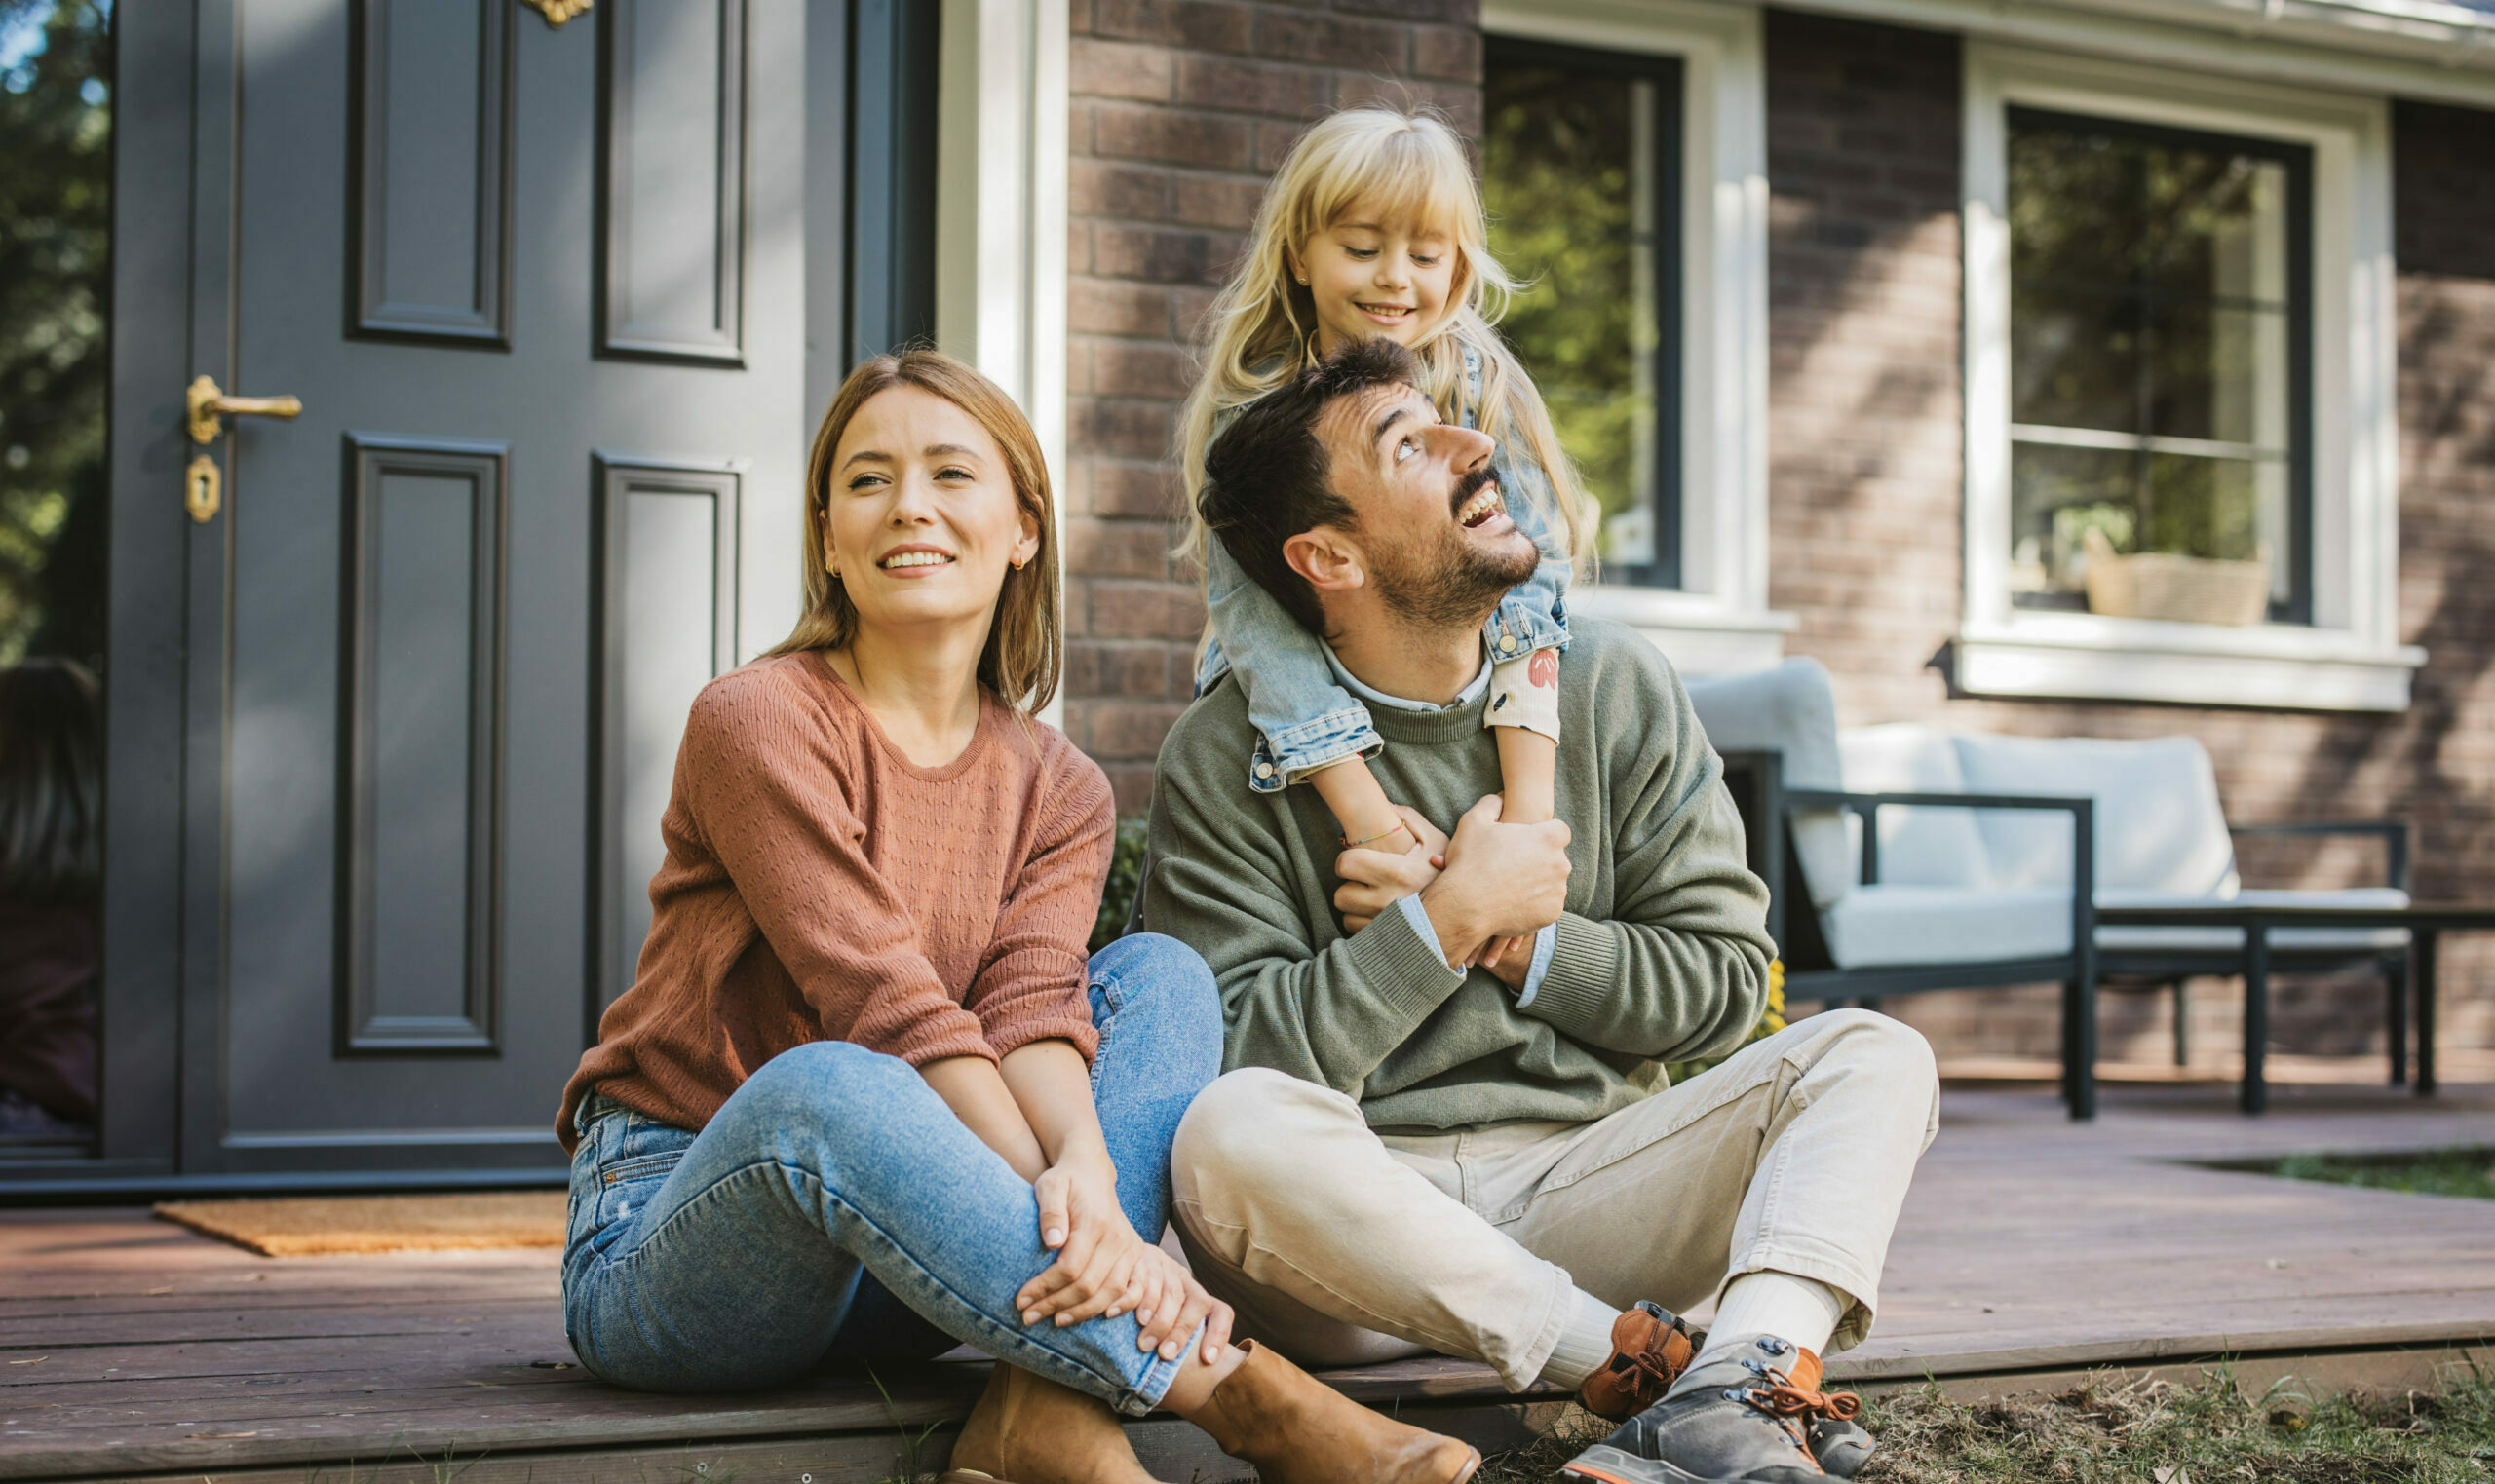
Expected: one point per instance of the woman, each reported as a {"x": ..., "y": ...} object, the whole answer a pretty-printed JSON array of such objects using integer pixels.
[{"x": 866, "y": 1099}]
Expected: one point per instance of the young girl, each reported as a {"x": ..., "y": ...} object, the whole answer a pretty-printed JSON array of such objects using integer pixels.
[{"x": 1373, "y": 226}]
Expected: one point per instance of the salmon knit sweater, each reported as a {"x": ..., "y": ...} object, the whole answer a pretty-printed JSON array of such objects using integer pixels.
[{"x": 819, "y": 886}]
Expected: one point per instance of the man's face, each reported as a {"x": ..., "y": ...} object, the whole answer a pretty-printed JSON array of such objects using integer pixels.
[{"x": 1434, "y": 525}]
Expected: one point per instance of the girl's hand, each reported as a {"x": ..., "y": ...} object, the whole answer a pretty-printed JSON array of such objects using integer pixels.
[
  {"x": 1374, "y": 880},
  {"x": 1169, "y": 1303},
  {"x": 1097, "y": 1250}
]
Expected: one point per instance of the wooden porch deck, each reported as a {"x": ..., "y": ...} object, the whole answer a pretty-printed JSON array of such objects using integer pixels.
[{"x": 2030, "y": 1248}]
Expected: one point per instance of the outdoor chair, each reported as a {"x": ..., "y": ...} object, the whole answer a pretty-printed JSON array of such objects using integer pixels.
[{"x": 1880, "y": 915}]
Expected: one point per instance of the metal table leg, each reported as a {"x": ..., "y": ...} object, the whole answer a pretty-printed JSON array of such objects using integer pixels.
[
  {"x": 2255, "y": 1095},
  {"x": 2426, "y": 1012},
  {"x": 2397, "y": 977}
]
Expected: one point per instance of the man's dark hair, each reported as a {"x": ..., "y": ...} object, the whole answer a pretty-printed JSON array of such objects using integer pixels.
[{"x": 1265, "y": 475}]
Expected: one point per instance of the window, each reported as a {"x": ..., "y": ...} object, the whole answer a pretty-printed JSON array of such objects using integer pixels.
[
  {"x": 2160, "y": 307},
  {"x": 1581, "y": 172},
  {"x": 2182, "y": 429}
]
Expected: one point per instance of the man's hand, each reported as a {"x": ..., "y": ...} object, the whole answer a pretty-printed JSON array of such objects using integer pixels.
[
  {"x": 1501, "y": 881},
  {"x": 1374, "y": 880}
]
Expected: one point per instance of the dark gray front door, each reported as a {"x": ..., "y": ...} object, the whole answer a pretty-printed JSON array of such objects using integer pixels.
[{"x": 543, "y": 293}]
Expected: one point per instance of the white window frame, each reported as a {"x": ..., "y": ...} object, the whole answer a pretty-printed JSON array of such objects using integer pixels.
[
  {"x": 1718, "y": 620},
  {"x": 2349, "y": 658},
  {"x": 1001, "y": 172}
]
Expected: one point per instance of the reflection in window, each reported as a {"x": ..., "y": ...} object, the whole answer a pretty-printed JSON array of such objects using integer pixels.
[
  {"x": 55, "y": 178},
  {"x": 1580, "y": 161},
  {"x": 55, "y": 222},
  {"x": 2156, "y": 325}
]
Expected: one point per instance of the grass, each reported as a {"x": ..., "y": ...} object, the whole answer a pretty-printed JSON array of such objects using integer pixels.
[
  {"x": 2124, "y": 1431},
  {"x": 2469, "y": 1172}
]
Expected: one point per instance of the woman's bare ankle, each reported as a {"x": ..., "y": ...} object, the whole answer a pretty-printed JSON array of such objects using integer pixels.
[{"x": 1197, "y": 1379}]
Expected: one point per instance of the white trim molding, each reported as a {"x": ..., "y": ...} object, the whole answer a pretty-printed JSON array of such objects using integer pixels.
[
  {"x": 1001, "y": 172},
  {"x": 1718, "y": 619},
  {"x": 2350, "y": 658},
  {"x": 2420, "y": 49}
]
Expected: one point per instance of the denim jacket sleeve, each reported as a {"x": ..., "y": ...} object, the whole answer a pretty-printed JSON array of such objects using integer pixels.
[
  {"x": 1534, "y": 614},
  {"x": 1304, "y": 718}
]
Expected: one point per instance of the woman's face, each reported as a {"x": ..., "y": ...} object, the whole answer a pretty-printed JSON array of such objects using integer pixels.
[
  {"x": 922, "y": 523},
  {"x": 1374, "y": 277}
]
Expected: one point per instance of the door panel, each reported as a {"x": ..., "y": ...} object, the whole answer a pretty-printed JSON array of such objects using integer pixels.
[
  {"x": 454, "y": 645},
  {"x": 432, "y": 167},
  {"x": 672, "y": 222},
  {"x": 666, "y": 623}
]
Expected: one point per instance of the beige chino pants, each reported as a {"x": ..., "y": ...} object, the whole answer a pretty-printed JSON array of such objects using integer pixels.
[{"x": 1340, "y": 1246}]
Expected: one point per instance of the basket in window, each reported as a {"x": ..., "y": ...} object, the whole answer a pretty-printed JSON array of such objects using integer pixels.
[{"x": 2183, "y": 590}]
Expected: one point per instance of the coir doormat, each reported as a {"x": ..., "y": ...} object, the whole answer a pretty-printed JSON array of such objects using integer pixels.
[{"x": 316, "y": 1226}]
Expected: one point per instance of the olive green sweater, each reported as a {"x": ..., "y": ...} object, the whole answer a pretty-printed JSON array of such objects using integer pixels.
[{"x": 1661, "y": 956}]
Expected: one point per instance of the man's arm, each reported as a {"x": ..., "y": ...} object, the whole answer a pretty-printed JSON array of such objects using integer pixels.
[
  {"x": 1297, "y": 996},
  {"x": 1680, "y": 968}
]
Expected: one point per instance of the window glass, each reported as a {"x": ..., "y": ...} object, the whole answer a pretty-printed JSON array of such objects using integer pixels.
[
  {"x": 2156, "y": 324},
  {"x": 56, "y": 225},
  {"x": 1580, "y": 156}
]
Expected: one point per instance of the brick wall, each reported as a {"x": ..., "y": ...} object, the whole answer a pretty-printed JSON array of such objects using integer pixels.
[
  {"x": 1865, "y": 510},
  {"x": 1181, "y": 108}
]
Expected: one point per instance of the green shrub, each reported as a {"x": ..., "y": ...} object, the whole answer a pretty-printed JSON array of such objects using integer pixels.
[{"x": 1126, "y": 875}]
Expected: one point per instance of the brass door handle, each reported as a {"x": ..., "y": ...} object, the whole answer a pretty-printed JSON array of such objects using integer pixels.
[{"x": 207, "y": 404}]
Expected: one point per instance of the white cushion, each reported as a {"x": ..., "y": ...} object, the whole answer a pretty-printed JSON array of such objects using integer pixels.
[
  {"x": 2231, "y": 939},
  {"x": 1884, "y": 925},
  {"x": 1918, "y": 847},
  {"x": 1788, "y": 709},
  {"x": 2159, "y": 825}
]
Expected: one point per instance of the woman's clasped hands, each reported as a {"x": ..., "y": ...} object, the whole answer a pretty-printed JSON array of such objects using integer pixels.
[{"x": 1104, "y": 1268}]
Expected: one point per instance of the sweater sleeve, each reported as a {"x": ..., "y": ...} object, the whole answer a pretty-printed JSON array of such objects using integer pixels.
[
  {"x": 1327, "y": 1015},
  {"x": 1680, "y": 968},
  {"x": 768, "y": 787},
  {"x": 1030, "y": 983}
]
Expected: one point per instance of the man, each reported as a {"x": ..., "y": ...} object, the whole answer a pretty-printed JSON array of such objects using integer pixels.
[{"x": 1407, "y": 1153}]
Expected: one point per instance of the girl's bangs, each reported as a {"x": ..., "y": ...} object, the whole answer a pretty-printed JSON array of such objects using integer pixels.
[{"x": 1405, "y": 181}]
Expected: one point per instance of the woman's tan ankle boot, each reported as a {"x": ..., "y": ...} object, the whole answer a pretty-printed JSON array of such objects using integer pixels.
[
  {"x": 1027, "y": 1430},
  {"x": 1296, "y": 1430}
]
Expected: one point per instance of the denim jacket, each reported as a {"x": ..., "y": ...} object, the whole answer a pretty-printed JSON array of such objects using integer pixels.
[{"x": 1304, "y": 718}]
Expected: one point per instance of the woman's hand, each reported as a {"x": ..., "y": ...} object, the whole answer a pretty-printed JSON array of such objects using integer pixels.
[{"x": 1098, "y": 1254}]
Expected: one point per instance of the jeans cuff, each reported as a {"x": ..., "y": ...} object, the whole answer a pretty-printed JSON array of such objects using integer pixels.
[{"x": 1278, "y": 763}]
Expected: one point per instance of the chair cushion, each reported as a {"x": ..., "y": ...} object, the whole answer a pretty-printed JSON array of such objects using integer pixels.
[
  {"x": 2352, "y": 940},
  {"x": 1792, "y": 710},
  {"x": 1918, "y": 847},
  {"x": 2159, "y": 825},
  {"x": 1882, "y": 924}
]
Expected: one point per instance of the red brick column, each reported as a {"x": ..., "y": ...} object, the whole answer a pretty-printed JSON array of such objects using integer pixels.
[{"x": 1181, "y": 108}]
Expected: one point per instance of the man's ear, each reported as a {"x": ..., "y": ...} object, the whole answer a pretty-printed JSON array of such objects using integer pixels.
[{"x": 1329, "y": 558}]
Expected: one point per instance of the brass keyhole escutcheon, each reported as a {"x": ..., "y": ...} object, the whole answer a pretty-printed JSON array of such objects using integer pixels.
[{"x": 203, "y": 489}]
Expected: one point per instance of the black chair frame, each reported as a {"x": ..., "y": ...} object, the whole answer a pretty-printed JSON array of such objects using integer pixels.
[{"x": 1756, "y": 782}]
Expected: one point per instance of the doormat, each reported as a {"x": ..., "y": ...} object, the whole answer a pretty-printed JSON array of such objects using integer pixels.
[{"x": 319, "y": 1225}]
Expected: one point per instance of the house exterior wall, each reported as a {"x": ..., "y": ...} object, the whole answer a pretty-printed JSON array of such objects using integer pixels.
[{"x": 1182, "y": 109}]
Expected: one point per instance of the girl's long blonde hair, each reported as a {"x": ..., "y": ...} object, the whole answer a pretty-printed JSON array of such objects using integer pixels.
[
  {"x": 1407, "y": 165},
  {"x": 1025, "y": 653}
]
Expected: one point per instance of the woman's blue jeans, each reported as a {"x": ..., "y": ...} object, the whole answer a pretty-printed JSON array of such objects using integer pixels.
[{"x": 835, "y": 1209}]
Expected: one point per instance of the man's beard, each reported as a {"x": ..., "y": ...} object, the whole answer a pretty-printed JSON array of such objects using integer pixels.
[{"x": 1447, "y": 582}]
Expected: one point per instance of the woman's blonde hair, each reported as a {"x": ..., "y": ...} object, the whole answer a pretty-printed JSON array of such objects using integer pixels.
[
  {"x": 1025, "y": 652},
  {"x": 1407, "y": 165}
]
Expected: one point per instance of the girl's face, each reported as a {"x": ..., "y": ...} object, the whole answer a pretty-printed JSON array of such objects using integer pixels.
[
  {"x": 1373, "y": 278},
  {"x": 922, "y": 521}
]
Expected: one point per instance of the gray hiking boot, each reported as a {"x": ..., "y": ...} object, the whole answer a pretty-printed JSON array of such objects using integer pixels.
[
  {"x": 1841, "y": 1445},
  {"x": 1743, "y": 1418}
]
